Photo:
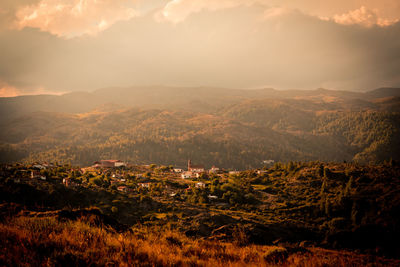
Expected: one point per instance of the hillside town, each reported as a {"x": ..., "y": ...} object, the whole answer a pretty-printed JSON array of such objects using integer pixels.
[{"x": 170, "y": 181}]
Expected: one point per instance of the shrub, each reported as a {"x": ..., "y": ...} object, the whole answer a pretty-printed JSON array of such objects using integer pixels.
[
  {"x": 174, "y": 241},
  {"x": 239, "y": 236},
  {"x": 276, "y": 255},
  {"x": 114, "y": 209}
]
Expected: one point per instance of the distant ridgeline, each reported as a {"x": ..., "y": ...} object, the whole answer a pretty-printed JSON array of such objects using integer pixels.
[{"x": 236, "y": 129}]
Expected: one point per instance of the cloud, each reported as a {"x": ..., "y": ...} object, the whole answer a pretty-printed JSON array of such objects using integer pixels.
[
  {"x": 178, "y": 10},
  {"x": 240, "y": 47},
  {"x": 8, "y": 8},
  {"x": 363, "y": 16},
  {"x": 381, "y": 13},
  {"x": 71, "y": 18},
  {"x": 75, "y": 17}
]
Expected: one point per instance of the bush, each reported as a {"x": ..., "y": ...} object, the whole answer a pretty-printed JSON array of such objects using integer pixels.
[
  {"x": 337, "y": 224},
  {"x": 173, "y": 241},
  {"x": 276, "y": 255},
  {"x": 239, "y": 236}
]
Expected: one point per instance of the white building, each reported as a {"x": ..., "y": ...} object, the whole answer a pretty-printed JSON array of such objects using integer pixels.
[
  {"x": 110, "y": 163},
  {"x": 187, "y": 175},
  {"x": 37, "y": 175},
  {"x": 214, "y": 169},
  {"x": 200, "y": 185},
  {"x": 195, "y": 168},
  {"x": 144, "y": 185},
  {"x": 39, "y": 166},
  {"x": 269, "y": 161}
]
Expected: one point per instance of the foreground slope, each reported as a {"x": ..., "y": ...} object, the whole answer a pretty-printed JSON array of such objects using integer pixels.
[{"x": 300, "y": 213}]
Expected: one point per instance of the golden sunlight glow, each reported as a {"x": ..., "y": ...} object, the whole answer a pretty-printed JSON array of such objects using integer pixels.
[
  {"x": 8, "y": 91},
  {"x": 74, "y": 18},
  {"x": 363, "y": 16}
]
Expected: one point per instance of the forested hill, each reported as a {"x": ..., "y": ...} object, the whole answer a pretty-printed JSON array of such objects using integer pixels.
[
  {"x": 202, "y": 99},
  {"x": 225, "y": 127}
]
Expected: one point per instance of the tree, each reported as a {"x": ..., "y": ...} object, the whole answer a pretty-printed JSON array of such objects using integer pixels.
[
  {"x": 327, "y": 208},
  {"x": 321, "y": 170},
  {"x": 349, "y": 185},
  {"x": 327, "y": 173},
  {"x": 354, "y": 214},
  {"x": 152, "y": 166},
  {"x": 290, "y": 166},
  {"x": 324, "y": 187}
]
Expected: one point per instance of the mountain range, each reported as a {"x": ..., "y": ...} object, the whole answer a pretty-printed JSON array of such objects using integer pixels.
[{"x": 231, "y": 128}]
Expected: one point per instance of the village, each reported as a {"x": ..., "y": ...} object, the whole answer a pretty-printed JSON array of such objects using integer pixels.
[{"x": 160, "y": 181}]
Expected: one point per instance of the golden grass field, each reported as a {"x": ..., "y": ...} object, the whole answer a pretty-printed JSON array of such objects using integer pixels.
[{"x": 46, "y": 241}]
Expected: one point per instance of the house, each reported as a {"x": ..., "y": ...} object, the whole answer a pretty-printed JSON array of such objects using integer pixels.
[
  {"x": 118, "y": 177},
  {"x": 187, "y": 175},
  {"x": 96, "y": 165},
  {"x": 122, "y": 188},
  {"x": 200, "y": 185},
  {"x": 48, "y": 165},
  {"x": 195, "y": 168},
  {"x": 212, "y": 197},
  {"x": 144, "y": 185},
  {"x": 261, "y": 172},
  {"x": 68, "y": 182},
  {"x": 268, "y": 161},
  {"x": 88, "y": 169},
  {"x": 178, "y": 170},
  {"x": 110, "y": 163},
  {"x": 114, "y": 182},
  {"x": 39, "y": 166},
  {"x": 234, "y": 172},
  {"x": 37, "y": 175},
  {"x": 214, "y": 170}
]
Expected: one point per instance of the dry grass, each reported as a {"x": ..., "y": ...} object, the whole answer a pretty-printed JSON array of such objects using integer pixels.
[{"x": 33, "y": 241}]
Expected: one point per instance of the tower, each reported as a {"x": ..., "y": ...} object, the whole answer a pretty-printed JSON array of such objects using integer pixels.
[{"x": 189, "y": 164}]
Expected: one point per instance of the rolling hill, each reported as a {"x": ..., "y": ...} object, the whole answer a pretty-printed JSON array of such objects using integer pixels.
[{"x": 227, "y": 127}]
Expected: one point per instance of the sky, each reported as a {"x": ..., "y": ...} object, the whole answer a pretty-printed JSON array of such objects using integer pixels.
[{"x": 58, "y": 46}]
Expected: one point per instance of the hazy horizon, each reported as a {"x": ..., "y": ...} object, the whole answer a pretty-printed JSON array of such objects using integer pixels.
[{"x": 55, "y": 93}]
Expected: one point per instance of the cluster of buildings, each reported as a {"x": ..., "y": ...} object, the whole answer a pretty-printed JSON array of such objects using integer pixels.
[
  {"x": 195, "y": 171},
  {"x": 118, "y": 176},
  {"x": 109, "y": 163},
  {"x": 25, "y": 174}
]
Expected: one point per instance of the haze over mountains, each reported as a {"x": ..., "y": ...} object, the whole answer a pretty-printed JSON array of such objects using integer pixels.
[{"x": 231, "y": 128}]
